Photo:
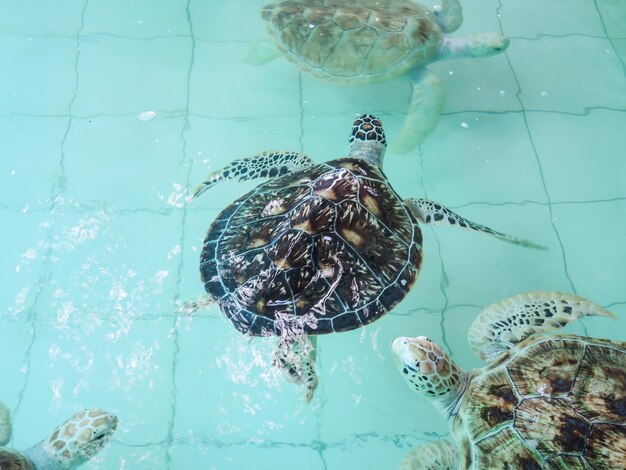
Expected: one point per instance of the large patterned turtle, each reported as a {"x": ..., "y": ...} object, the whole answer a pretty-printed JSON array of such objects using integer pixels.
[
  {"x": 371, "y": 41},
  {"x": 71, "y": 444},
  {"x": 542, "y": 401},
  {"x": 320, "y": 248}
]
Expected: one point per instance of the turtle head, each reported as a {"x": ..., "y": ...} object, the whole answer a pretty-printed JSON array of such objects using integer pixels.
[
  {"x": 486, "y": 44},
  {"x": 80, "y": 437},
  {"x": 367, "y": 139},
  {"x": 429, "y": 370}
]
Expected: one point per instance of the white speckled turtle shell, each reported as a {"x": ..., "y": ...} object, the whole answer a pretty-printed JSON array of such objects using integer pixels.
[
  {"x": 551, "y": 402},
  {"x": 332, "y": 245},
  {"x": 354, "y": 41}
]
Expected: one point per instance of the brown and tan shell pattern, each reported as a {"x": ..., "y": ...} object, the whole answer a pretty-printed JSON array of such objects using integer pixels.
[
  {"x": 354, "y": 41},
  {"x": 321, "y": 250},
  {"x": 13, "y": 460},
  {"x": 556, "y": 402}
]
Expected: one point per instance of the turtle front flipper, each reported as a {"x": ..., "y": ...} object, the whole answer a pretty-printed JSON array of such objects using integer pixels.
[
  {"x": 268, "y": 164},
  {"x": 429, "y": 212},
  {"x": 5, "y": 425},
  {"x": 438, "y": 455},
  {"x": 500, "y": 326},
  {"x": 427, "y": 97},
  {"x": 295, "y": 357},
  {"x": 449, "y": 16}
]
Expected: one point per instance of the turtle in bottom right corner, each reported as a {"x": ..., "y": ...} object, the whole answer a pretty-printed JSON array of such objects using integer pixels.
[{"x": 542, "y": 401}]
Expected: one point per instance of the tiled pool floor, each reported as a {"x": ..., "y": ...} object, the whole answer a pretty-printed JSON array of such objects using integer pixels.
[{"x": 98, "y": 246}]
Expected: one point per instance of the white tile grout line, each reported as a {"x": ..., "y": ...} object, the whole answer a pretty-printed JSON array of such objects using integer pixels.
[{"x": 56, "y": 200}]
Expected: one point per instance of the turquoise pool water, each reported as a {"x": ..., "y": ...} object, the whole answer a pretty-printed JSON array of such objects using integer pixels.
[{"x": 111, "y": 110}]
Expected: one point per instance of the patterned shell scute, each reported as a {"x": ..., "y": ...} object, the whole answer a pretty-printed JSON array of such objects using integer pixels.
[
  {"x": 552, "y": 402},
  {"x": 12, "y": 460},
  {"x": 321, "y": 250},
  {"x": 358, "y": 41}
]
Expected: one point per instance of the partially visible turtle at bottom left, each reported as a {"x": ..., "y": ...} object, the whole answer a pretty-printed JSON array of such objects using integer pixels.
[{"x": 70, "y": 445}]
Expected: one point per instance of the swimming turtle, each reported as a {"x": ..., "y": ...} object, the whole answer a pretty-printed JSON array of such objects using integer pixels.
[
  {"x": 320, "y": 248},
  {"x": 71, "y": 444},
  {"x": 367, "y": 41},
  {"x": 542, "y": 401}
]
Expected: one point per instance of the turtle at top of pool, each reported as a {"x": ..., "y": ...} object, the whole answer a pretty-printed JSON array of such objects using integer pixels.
[
  {"x": 542, "y": 401},
  {"x": 364, "y": 41},
  {"x": 319, "y": 248}
]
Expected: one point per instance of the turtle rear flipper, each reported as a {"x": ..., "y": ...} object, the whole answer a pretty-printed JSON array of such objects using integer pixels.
[
  {"x": 191, "y": 306},
  {"x": 429, "y": 212},
  {"x": 261, "y": 51},
  {"x": 295, "y": 357},
  {"x": 500, "y": 326},
  {"x": 438, "y": 455},
  {"x": 427, "y": 98},
  {"x": 268, "y": 164},
  {"x": 5, "y": 425}
]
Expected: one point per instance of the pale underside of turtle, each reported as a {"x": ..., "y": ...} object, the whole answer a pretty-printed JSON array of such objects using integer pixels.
[
  {"x": 365, "y": 41},
  {"x": 543, "y": 401},
  {"x": 70, "y": 445},
  {"x": 320, "y": 248}
]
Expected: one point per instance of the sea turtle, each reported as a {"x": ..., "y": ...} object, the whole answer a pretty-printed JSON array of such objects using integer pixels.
[
  {"x": 371, "y": 41},
  {"x": 542, "y": 401},
  {"x": 71, "y": 444},
  {"x": 320, "y": 248}
]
